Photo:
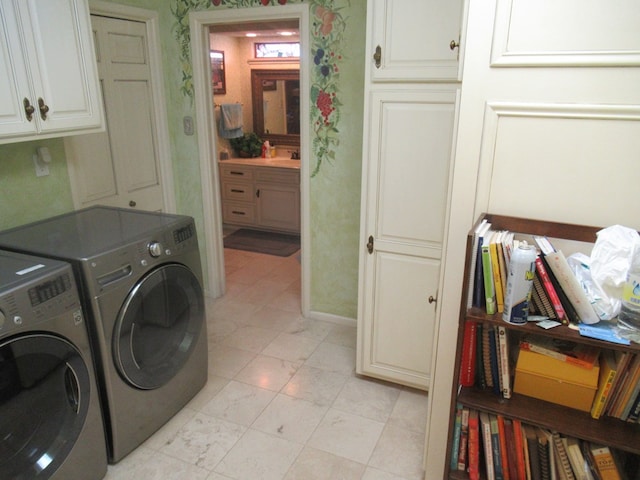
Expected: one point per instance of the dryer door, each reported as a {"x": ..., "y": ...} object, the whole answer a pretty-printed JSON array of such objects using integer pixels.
[
  {"x": 44, "y": 398},
  {"x": 158, "y": 326}
]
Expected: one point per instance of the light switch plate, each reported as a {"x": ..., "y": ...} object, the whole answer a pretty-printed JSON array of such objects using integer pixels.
[
  {"x": 42, "y": 169},
  {"x": 187, "y": 123}
]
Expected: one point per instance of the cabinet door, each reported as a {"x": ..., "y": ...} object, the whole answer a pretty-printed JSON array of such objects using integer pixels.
[
  {"x": 405, "y": 191},
  {"x": 413, "y": 38},
  {"x": 278, "y": 206},
  {"x": 14, "y": 80},
  {"x": 59, "y": 46}
]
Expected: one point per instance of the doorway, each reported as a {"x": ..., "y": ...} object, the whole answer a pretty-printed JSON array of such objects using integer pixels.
[{"x": 206, "y": 125}]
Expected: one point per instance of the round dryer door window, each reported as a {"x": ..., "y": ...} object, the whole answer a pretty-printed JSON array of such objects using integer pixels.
[
  {"x": 158, "y": 326},
  {"x": 44, "y": 398}
]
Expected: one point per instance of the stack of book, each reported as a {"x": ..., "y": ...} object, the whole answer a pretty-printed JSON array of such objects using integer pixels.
[
  {"x": 487, "y": 358},
  {"x": 499, "y": 448},
  {"x": 556, "y": 292}
]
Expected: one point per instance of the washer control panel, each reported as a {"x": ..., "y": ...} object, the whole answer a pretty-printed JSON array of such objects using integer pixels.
[{"x": 37, "y": 300}]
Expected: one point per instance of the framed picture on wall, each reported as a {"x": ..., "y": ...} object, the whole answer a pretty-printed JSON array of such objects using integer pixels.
[{"x": 217, "y": 72}]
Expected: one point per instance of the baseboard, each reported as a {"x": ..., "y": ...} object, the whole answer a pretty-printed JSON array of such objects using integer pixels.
[{"x": 328, "y": 317}]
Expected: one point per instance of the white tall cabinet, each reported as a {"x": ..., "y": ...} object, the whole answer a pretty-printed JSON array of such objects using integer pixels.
[
  {"x": 48, "y": 75},
  {"x": 411, "y": 89}
]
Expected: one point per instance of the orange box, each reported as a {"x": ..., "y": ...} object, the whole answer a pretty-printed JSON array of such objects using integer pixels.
[{"x": 555, "y": 381}]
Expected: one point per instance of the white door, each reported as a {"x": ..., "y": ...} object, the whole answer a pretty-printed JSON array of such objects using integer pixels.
[
  {"x": 120, "y": 167},
  {"x": 405, "y": 202},
  {"x": 411, "y": 40}
]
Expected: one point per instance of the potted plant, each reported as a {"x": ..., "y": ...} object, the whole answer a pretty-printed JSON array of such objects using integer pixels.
[{"x": 247, "y": 146}]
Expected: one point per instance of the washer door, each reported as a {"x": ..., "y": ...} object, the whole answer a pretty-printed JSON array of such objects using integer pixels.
[
  {"x": 158, "y": 326},
  {"x": 44, "y": 397}
]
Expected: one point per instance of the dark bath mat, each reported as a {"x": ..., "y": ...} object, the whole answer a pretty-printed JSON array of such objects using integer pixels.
[{"x": 271, "y": 243}]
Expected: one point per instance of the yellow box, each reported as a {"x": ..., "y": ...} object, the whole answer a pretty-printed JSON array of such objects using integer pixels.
[{"x": 553, "y": 380}]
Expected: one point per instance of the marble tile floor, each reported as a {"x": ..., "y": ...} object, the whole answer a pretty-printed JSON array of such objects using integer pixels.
[{"x": 282, "y": 400}]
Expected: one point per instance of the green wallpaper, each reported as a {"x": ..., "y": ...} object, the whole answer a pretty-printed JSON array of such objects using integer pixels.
[
  {"x": 338, "y": 37},
  {"x": 26, "y": 198}
]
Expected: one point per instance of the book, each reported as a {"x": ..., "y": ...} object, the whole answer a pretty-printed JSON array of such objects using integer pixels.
[
  {"x": 504, "y": 452},
  {"x": 485, "y": 425},
  {"x": 496, "y": 450},
  {"x": 487, "y": 334},
  {"x": 455, "y": 444},
  {"x": 519, "y": 446},
  {"x": 562, "y": 463},
  {"x": 495, "y": 248},
  {"x": 510, "y": 448},
  {"x": 531, "y": 439},
  {"x": 546, "y": 454},
  {"x": 634, "y": 412},
  {"x": 578, "y": 354},
  {"x": 474, "y": 445},
  {"x": 578, "y": 463},
  {"x": 473, "y": 295},
  {"x": 494, "y": 360},
  {"x": 571, "y": 287},
  {"x": 550, "y": 290},
  {"x": 503, "y": 352},
  {"x": 604, "y": 463},
  {"x": 480, "y": 380},
  {"x": 464, "y": 440},
  {"x": 619, "y": 384},
  {"x": 468, "y": 359},
  {"x": 540, "y": 298},
  {"x": 608, "y": 366},
  {"x": 632, "y": 390},
  {"x": 626, "y": 388},
  {"x": 487, "y": 274}
]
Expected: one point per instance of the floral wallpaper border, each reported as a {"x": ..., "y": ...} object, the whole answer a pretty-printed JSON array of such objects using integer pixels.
[{"x": 327, "y": 41}]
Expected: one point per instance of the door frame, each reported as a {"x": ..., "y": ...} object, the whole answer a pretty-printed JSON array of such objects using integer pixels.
[
  {"x": 163, "y": 147},
  {"x": 199, "y": 23}
]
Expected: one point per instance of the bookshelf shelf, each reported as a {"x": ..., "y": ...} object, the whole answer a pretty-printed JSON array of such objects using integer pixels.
[{"x": 571, "y": 422}]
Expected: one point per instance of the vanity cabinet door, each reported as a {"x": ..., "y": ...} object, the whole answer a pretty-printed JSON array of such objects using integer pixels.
[{"x": 410, "y": 39}]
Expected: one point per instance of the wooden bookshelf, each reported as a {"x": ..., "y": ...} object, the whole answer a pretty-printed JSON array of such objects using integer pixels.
[{"x": 571, "y": 422}]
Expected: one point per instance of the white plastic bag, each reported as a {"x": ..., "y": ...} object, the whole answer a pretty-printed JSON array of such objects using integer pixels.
[{"x": 610, "y": 261}]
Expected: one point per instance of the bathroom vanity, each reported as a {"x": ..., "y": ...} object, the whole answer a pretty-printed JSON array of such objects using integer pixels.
[{"x": 262, "y": 193}]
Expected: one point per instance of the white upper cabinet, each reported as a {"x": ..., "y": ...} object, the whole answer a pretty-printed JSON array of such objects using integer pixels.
[
  {"x": 48, "y": 73},
  {"x": 412, "y": 41}
]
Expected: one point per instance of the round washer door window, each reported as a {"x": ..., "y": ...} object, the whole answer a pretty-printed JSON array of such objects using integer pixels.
[
  {"x": 158, "y": 326},
  {"x": 44, "y": 397}
]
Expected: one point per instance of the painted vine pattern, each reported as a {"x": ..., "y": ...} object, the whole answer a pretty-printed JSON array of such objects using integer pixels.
[{"x": 327, "y": 41}]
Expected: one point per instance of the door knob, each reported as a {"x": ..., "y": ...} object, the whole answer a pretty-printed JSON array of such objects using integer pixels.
[
  {"x": 132, "y": 203},
  {"x": 377, "y": 57},
  {"x": 44, "y": 108},
  {"x": 453, "y": 45}
]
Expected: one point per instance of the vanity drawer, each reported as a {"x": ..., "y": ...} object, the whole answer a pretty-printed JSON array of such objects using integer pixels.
[
  {"x": 238, "y": 191},
  {"x": 236, "y": 172},
  {"x": 280, "y": 175},
  {"x": 238, "y": 213}
]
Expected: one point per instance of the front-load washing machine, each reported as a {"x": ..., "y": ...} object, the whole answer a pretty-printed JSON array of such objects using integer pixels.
[
  {"x": 139, "y": 276},
  {"x": 50, "y": 421}
]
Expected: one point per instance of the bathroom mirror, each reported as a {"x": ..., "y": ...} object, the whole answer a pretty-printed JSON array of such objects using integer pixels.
[{"x": 276, "y": 105}]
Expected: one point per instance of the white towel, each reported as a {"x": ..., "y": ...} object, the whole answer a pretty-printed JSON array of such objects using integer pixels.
[{"x": 231, "y": 120}]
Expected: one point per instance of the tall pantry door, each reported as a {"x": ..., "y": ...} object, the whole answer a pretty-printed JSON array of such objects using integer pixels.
[
  {"x": 120, "y": 167},
  {"x": 410, "y": 138},
  {"x": 412, "y": 80}
]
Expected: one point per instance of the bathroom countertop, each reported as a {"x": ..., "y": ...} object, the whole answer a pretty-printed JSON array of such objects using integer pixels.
[{"x": 281, "y": 162}]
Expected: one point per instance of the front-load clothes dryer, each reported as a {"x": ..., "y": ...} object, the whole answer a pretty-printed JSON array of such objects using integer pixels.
[
  {"x": 50, "y": 421},
  {"x": 140, "y": 277}
]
